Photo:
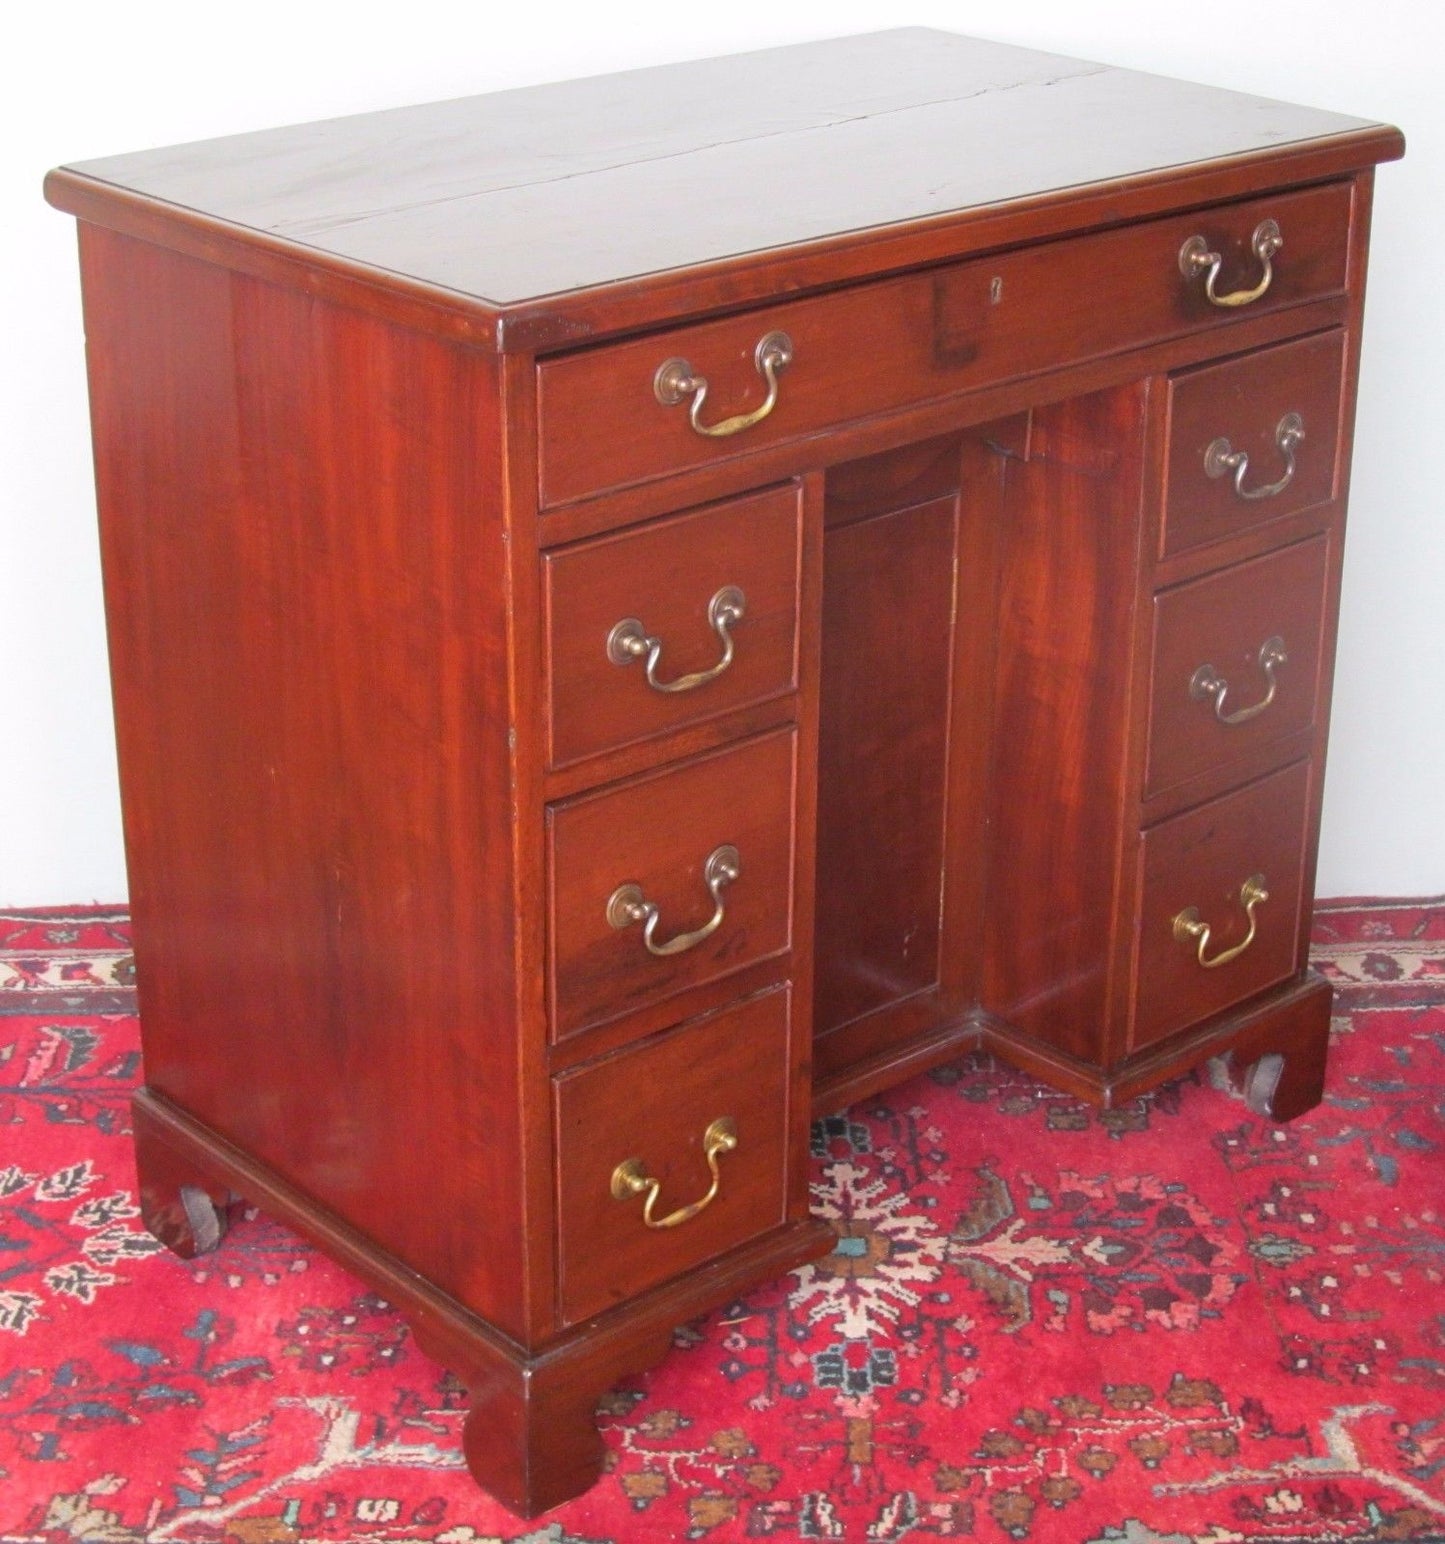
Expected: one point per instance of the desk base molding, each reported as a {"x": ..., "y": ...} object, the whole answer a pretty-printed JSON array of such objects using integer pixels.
[
  {"x": 1290, "y": 1023},
  {"x": 530, "y": 1437}
]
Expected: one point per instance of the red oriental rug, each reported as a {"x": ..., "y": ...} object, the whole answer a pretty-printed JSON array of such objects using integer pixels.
[{"x": 1169, "y": 1324}]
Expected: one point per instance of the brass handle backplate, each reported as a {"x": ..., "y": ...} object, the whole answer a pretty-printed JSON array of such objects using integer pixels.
[
  {"x": 1189, "y": 929},
  {"x": 630, "y": 1177},
  {"x": 676, "y": 381},
  {"x": 1207, "y": 683},
  {"x": 1195, "y": 258},
  {"x": 1220, "y": 459},
  {"x": 629, "y": 640},
  {"x": 627, "y": 905}
]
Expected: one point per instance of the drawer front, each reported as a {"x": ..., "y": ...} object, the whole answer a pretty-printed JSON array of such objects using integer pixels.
[
  {"x": 887, "y": 345},
  {"x": 1197, "y": 868},
  {"x": 1236, "y": 662},
  {"x": 1278, "y": 408},
  {"x": 657, "y": 840},
  {"x": 654, "y": 1108},
  {"x": 678, "y": 621}
]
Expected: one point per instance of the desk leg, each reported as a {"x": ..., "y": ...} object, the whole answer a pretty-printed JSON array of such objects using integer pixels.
[
  {"x": 531, "y": 1437},
  {"x": 183, "y": 1206},
  {"x": 1279, "y": 1066}
]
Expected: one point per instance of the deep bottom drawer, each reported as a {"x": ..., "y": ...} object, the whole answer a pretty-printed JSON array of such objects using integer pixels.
[
  {"x": 1204, "y": 869},
  {"x": 651, "y": 1114}
]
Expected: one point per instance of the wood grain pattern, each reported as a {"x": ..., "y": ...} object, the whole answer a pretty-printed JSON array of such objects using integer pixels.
[
  {"x": 665, "y": 575},
  {"x": 282, "y": 631},
  {"x": 379, "y": 779},
  {"x": 501, "y": 197},
  {"x": 521, "y": 821},
  {"x": 657, "y": 832},
  {"x": 931, "y": 334},
  {"x": 1201, "y": 859},
  {"x": 886, "y": 648},
  {"x": 1070, "y": 574},
  {"x": 1223, "y": 620},
  {"x": 654, "y": 1102},
  {"x": 717, "y": 186},
  {"x": 1242, "y": 400},
  {"x": 887, "y": 432}
]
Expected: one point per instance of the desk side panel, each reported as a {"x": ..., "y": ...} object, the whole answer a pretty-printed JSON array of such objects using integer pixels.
[
  {"x": 302, "y": 538},
  {"x": 1070, "y": 556}
]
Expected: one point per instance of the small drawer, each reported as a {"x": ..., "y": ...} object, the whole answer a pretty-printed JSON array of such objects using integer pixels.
[
  {"x": 672, "y": 623},
  {"x": 670, "y": 880},
  {"x": 1236, "y": 662},
  {"x": 1206, "y": 869},
  {"x": 623, "y": 413},
  {"x": 703, "y": 1113},
  {"x": 1251, "y": 439}
]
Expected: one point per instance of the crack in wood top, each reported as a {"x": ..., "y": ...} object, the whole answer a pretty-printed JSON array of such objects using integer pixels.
[{"x": 530, "y": 193}]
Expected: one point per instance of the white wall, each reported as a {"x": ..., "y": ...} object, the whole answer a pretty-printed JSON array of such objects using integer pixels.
[{"x": 93, "y": 79}]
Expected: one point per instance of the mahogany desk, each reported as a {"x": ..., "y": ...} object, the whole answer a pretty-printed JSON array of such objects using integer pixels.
[{"x": 644, "y": 608}]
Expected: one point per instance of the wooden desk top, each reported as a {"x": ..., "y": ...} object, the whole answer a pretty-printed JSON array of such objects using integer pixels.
[{"x": 508, "y": 201}]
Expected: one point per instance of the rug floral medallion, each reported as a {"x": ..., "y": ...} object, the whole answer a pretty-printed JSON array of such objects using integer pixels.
[{"x": 1172, "y": 1323}]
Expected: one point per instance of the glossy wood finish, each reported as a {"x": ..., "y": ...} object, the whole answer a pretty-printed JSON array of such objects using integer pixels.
[
  {"x": 1224, "y": 620},
  {"x": 1200, "y": 860},
  {"x": 654, "y": 1102},
  {"x": 657, "y": 832},
  {"x": 247, "y": 584},
  {"x": 1243, "y": 401},
  {"x": 887, "y": 646},
  {"x": 949, "y": 330},
  {"x": 530, "y": 1437},
  {"x": 502, "y": 213},
  {"x": 380, "y": 465},
  {"x": 1069, "y": 562},
  {"x": 964, "y": 412},
  {"x": 665, "y": 575}
]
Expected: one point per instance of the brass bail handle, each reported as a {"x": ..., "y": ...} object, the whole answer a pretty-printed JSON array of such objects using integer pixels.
[
  {"x": 675, "y": 382},
  {"x": 628, "y": 905},
  {"x": 1195, "y": 258},
  {"x": 1207, "y": 683},
  {"x": 1188, "y": 928},
  {"x": 1220, "y": 459},
  {"x": 629, "y": 640},
  {"x": 630, "y": 1178}
]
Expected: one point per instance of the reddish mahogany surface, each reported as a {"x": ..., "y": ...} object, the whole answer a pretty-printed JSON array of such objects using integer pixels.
[
  {"x": 657, "y": 832},
  {"x": 888, "y": 600},
  {"x": 564, "y": 212},
  {"x": 654, "y": 1102},
  {"x": 380, "y": 779},
  {"x": 1068, "y": 564},
  {"x": 1243, "y": 400},
  {"x": 1223, "y": 620},
  {"x": 1201, "y": 859},
  {"x": 534, "y": 192},
  {"x": 312, "y": 730},
  {"x": 665, "y": 578},
  {"x": 930, "y": 335}
]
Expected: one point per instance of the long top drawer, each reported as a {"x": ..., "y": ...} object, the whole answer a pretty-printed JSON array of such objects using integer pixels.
[{"x": 622, "y": 414}]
